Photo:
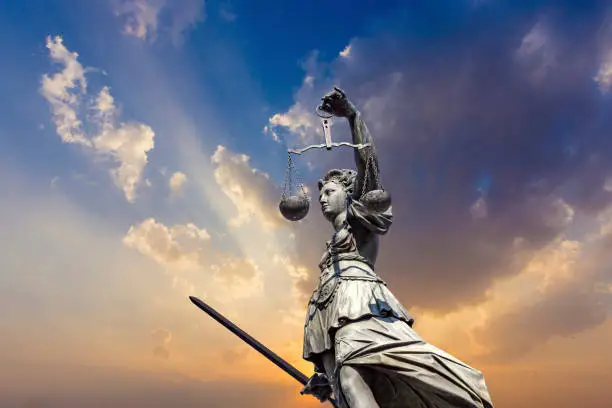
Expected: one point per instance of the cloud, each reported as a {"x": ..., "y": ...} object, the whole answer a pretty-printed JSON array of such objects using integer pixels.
[
  {"x": 161, "y": 352},
  {"x": 604, "y": 75},
  {"x": 298, "y": 119},
  {"x": 249, "y": 189},
  {"x": 185, "y": 249},
  {"x": 479, "y": 208},
  {"x": 299, "y": 275},
  {"x": 181, "y": 247},
  {"x": 62, "y": 91},
  {"x": 299, "y": 125},
  {"x": 176, "y": 182},
  {"x": 161, "y": 339},
  {"x": 236, "y": 354},
  {"x": 346, "y": 52},
  {"x": 536, "y": 52},
  {"x": 101, "y": 320},
  {"x": 227, "y": 14},
  {"x": 144, "y": 19},
  {"x": 553, "y": 300},
  {"x": 565, "y": 298},
  {"x": 161, "y": 336},
  {"x": 126, "y": 144},
  {"x": 140, "y": 17},
  {"x": 236, "y": 278}
]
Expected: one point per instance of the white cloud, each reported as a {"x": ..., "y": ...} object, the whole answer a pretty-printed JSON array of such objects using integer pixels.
[
  {"x": 176, "y": 182},
  {"x": 105, "y": 104},
  {"x": 161, "y": 336},
  {"x": 608, "y": 184},
  {"x": 479, "y": 209},
  {"x": 346, "y": 52},
  {"x": 249, "y": 189},
  {"x": 603, "y": 77},
  {"x": 63, "y": 89},
  {"x": 302, "y": 123},
  {"x": 299, "y": 120},
  {"x": 143, "y": 18},
  {"x": 236, "y": 278},
  {"x": 537, "y": 53},
  {"x": 560, "y": 215},
  {"x": 161, "y": 339},
  {"x": 534, "y": 41},
  {"x": 604, "y": 74},
  {"x": 309, "y": 80},
  {"x": 126, "y": 144},
  {"x": 185, "y": 248},
  {"x": 140, "y": 17},
  {"x": 181, "y": 247},
  {"x": 298, "y": 274},
  {"x": 184, "y": 286},
  {"x": 227, "y": 15},
  {"x": 381, "y": 101}
]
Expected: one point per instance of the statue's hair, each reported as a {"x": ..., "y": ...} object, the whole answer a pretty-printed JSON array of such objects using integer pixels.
[{"x": 345, "y": 177}]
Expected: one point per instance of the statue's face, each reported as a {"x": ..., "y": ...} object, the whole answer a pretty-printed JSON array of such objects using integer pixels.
[{"x": 333, "y": 200}]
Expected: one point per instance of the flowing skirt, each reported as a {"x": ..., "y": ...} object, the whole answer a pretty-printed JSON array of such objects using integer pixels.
[{"x": 404, "y": 371}]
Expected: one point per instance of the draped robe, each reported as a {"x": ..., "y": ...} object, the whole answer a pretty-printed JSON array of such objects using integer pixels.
[{"x": 353, "y": 315}]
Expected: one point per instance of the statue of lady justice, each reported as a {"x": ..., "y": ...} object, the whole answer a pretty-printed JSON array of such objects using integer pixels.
[{"x": 357, "y": 334}]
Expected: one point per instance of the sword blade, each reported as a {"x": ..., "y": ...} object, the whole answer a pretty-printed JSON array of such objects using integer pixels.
[{"x": 266, "y": 352}]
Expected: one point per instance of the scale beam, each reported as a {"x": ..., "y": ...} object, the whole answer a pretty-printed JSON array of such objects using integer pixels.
[{"x": 326, "y": 146}]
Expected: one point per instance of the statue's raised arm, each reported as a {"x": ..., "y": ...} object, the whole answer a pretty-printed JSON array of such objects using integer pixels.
[{"x": 366, "y": 159}]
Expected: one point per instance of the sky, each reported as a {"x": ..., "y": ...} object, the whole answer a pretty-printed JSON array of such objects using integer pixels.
[{"x": 142, "y": 157}]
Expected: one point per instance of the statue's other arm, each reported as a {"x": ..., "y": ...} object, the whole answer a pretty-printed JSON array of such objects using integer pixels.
[{"x": 336, "y": 103}]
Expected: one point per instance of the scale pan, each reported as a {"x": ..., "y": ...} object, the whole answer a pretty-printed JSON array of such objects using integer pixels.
[
  {"x": 377, "y": 201},
  {"x": 294, "y": 208}
]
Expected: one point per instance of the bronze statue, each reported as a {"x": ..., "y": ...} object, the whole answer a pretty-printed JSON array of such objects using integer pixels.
[{"x": 357, "y": 334}]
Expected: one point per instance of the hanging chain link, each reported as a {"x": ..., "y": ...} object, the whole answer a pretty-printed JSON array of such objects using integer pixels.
[
  {"x": 299, "y": 183},
  {"x": 372, "y": 165},
  {"x": 293, "y": 181}
]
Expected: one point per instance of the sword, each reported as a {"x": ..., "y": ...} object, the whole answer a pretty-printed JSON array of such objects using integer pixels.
[{"x": 266, "y": 352}]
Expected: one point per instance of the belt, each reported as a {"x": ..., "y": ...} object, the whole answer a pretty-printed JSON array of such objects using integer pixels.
[{"x": 332, "y": 276}]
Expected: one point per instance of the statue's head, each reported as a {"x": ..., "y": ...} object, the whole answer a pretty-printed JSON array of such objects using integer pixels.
[{"x": 334, "y": 190}]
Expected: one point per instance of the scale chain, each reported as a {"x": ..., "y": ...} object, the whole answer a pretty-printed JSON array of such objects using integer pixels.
[
  {"x": 293, "y": 181},
  {"x": 370, "y": 164}
]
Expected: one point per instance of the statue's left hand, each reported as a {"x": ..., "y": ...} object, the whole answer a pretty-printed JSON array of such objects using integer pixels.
[{"x": 337, "y": 104}]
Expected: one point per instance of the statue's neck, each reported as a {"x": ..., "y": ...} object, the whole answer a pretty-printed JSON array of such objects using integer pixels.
[{"x": 339, "y": 221}]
